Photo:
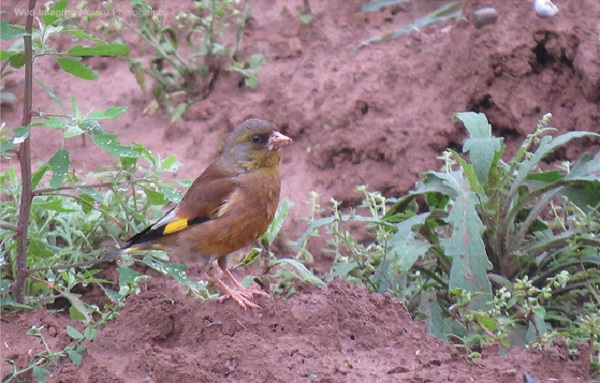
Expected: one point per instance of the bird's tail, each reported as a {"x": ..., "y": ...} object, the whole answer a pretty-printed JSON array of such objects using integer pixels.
[{"x": 130, "y": 248}]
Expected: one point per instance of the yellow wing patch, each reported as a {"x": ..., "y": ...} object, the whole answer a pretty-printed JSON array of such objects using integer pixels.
[{"x": 175, "y": 226}]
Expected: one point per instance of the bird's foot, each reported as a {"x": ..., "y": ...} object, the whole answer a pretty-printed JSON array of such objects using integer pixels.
[{"x": 242, "y": 295}]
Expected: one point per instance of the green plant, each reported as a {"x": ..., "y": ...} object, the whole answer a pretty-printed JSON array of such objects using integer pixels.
[
  {"x": 35, "y": 44},
  {"x": 480, "y": 228},
  {"x": 52, "y": 220},
  {"x": 74, "y": 351},
  {"x": 183, "y": 75},
  {"x": 53, "y": 223}
]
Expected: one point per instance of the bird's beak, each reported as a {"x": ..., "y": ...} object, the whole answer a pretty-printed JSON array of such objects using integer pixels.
[{"x": 278, "y": 141}]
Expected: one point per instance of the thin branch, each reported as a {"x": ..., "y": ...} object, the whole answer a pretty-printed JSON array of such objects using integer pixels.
[
  {"x": 75, "y": 187},
  {"x": 8, "y": 226},
  {"x": 91, "y": 262},
  {"x": 25, "y": 162}
]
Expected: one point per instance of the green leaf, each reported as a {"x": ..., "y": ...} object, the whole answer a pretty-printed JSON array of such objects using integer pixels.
[
  {"x": 56, "y": 123},
  {"x": 342, "y": 270},
  {"x": 86, "y": 203},
  {"x": 73, "y": 131},
  {"x": 75, "y": 107},
  {"x": 176, "y": 271},
  {"x": 172, "y": 195},
  {"x": 39, "y": 249},
  {"x": 481, "y": 146},
  {"x": 170, "y": 164},
  {"x": 584, "y": 168},
  {"x": 144, "y": 6},
  {"x": 75, "y": 356},
  {"x": 546, "y": 146},
  {"x": 55, "y": 205},
  {"x": 303, "y": 272},
  {"x": 60, "y": 163},
  {"x": 435, "y": 319},
  {"x": 482, "y": 152},
  {"x": 8, "y": 32},
  {"x": 90, "y": 333},
  {"x": 115, "y": 49},
  {"x": 306, "y": 18},
  {"x": 465, "y": 246},
  {"x": 251, "y": 82},
  {"x": 74, "y": 333},
  {"x": 6, "y": 97},
  {"x": 17, "y": 60},
  {"x": 109, "y": 113},
  {"x": 256, "y": 61},
  {"x": 54, "y": 13},
  {"x": 275, "y": 227},
  {"x": 312, "y": 227},
  {"x": 6, "y": 54},
  {"x": 51, "y": 93},
  {"x": 250, "y": 258},
  {"x": 40, "y": 374},
  {"x": 20, "y": 134},
  {"x": 74, "y": 314},
  {"x": 476, "y": 123},
  {"x": 542, "y": 326},
  {"x": 76, "y": 68},
  {"x": 78, "y": 304},
  {"x": 126, "y": 275},
  {"x": 83, "y": 34},
  {"x": 548, "y": 177},
  {"x": 178, "y": 111},
  {"x": 110, "y": 143},
  {"x": 7, "y": 303},
  {"x": 154, "y": 197},
  {"x": 469, "y": 171},
  {"x": 485, "y": 320},
  {"x": 404, "y": 247}
]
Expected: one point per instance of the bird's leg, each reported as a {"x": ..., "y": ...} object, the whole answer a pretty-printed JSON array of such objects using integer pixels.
[{"x": 242, "y": 295}]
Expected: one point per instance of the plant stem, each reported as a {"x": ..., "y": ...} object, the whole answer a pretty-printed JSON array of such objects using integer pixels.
[
  {"x": 25, "y": 162},
  {"x": 74, "y": 187},
  {"x": 105, "y": 258}
]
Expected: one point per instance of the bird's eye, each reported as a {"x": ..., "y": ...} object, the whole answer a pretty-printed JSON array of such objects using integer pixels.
[{"x": 256, "y": 138}]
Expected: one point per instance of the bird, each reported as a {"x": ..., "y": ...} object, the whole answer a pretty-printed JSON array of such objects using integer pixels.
[{"x": 226, "y": 208}]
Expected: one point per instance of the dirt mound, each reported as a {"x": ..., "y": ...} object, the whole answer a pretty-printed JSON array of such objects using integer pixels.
[{"x": 337, "y": 334}]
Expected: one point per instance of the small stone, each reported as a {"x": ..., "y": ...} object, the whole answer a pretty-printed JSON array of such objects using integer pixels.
[
  {"x": 484, "y": 16},
  {"x": 545, "y": 8}
]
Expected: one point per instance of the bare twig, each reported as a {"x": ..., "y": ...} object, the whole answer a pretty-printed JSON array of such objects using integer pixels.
[
  {"x": 91, "y": 262},
  {"x": 25, "y": 162},
  {"x": 7, "y": 226}
]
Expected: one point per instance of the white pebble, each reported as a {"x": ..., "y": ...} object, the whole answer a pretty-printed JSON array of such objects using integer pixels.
[{"x": 545, "y": 8}]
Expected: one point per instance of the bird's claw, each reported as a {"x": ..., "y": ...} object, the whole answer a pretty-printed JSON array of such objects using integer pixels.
[{"x": 242, "y": 297}]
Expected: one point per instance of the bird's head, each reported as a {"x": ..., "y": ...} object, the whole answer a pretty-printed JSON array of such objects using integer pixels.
[{"x": 255, "y": 144}]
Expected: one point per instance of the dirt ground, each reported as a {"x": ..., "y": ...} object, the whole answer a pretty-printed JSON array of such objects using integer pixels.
[{"x": 376, "y": 116}]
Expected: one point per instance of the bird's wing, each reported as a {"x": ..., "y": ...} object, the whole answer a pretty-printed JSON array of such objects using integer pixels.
[{"x": 201, "y": 203}]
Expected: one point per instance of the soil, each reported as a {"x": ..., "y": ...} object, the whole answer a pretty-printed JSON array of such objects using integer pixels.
[{"x": 376, "y": 116}]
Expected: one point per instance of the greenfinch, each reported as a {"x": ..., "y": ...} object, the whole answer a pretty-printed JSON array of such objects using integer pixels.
[{"x": 226, "y": 208}]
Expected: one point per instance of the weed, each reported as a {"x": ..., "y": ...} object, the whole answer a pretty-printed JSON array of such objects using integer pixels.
[
  {"x": 185, "y": 74},
  {"x": 495, "y": 245}
]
